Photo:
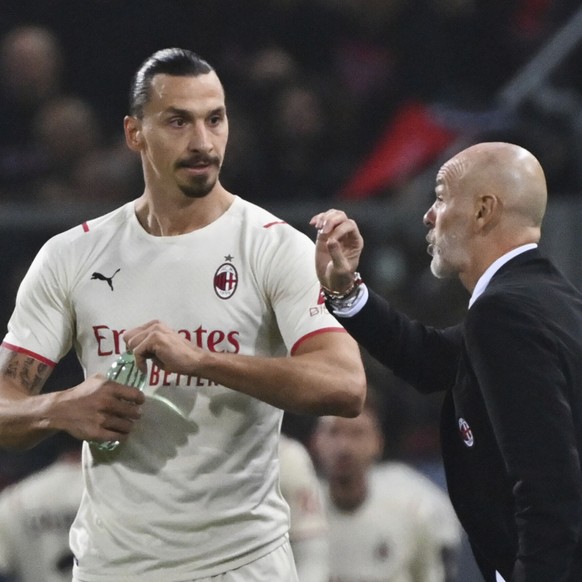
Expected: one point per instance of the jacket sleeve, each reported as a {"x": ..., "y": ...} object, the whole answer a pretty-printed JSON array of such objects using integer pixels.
[
  {"x": 520, "y": 365},
  {"x": 423, "y": 356}
]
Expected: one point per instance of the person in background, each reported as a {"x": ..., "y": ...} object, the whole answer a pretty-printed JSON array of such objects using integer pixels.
[
  {"x": 511, "y": 372},
  {"x": 387, "y": 522},
  {"x": 219, "y": 302},
  {"x": 66, "y": 131},
  {"x": 31, "y": 76},
  {"x": 308, "y": 532},
  {"x": 31, "y": 63},
  {"x": 36, "y": 514}
]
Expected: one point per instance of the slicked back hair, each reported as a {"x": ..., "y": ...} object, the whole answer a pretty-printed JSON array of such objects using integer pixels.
[{"x": 171, "y": 61}]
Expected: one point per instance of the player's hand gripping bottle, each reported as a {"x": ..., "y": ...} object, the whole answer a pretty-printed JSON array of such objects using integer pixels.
[{"x": 124, "y": 371}]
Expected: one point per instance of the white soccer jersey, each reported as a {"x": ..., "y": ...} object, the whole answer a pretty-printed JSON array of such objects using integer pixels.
[
  {"x": 35, "y": 516},
  {"x": 401, "y": 533},
  {"x": 194, "y": 491},
  {"x": 302, "y": 491}
]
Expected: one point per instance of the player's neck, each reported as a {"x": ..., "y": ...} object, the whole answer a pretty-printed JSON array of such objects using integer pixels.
[
  {"x": 164, "y": 216},
  {"x": 349, "y": 494}
]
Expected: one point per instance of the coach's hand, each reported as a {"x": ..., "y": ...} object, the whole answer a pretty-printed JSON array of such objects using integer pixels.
[{"x": 338, "y": 248}]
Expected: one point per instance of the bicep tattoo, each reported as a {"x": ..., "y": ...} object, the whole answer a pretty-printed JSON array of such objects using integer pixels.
[{"x": 25, "y": 371}]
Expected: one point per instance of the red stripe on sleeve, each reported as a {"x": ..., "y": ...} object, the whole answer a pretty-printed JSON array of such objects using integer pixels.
[
  {"x": 29, "y": 353},
  {"x": 85, "y": 227},
  {"x": 270, "y": 224},
  {"x": 313, "y": 333}
]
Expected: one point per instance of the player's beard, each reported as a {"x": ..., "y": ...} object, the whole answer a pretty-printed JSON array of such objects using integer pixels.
[{"x": 199, "y": 188}]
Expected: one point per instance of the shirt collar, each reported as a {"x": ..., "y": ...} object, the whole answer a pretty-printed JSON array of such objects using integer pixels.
[{"x": 494, "y": 267}]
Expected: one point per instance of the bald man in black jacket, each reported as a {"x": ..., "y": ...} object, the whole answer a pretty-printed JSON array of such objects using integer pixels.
[{"x": 511, "y": 423}]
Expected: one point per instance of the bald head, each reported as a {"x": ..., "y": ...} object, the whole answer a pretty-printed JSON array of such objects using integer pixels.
[
  {"x": 507, "y": 171},
  {"x": 490, "y": 199}
]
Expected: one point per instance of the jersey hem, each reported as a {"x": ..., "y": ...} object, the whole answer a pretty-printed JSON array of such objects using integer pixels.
[{"x": 192, "y": 576}]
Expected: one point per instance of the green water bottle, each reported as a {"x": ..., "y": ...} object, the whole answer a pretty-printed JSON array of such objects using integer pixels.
[{"x": 123, "y": 371}]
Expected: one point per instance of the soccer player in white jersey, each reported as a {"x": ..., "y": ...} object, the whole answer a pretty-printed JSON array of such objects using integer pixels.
[
  {"x": 302, "y": 490},
  {"x": 388, "y": 525},
  {"x": 35, "y": 516},
  {"x": 219, "y": 299}
]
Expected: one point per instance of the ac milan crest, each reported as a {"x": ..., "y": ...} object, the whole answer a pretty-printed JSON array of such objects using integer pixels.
[
  {"x": 466, "y": 432},
  {"x": 225, "y": 280}
]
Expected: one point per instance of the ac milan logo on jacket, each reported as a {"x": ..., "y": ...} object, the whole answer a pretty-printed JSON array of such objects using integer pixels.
[
  {"x": 466, "y": 432},
  {"x": 225, "y": 280}
]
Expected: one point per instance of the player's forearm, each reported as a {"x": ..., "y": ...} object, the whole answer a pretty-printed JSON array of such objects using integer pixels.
[
  {"x": 24, "y": 413},
  {"x": 24, "y": 420},
  {"x": 325, "y": 376},
  {"x": 318, "y": 383}
]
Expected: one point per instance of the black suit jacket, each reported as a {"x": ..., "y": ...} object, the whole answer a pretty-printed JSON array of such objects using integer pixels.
[{"x": 511, "y": 423}]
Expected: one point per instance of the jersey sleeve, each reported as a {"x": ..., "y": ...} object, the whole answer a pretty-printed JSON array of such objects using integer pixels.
[
  {"x": 42, "y": 323},
  {"x": 293, "y": 288}
]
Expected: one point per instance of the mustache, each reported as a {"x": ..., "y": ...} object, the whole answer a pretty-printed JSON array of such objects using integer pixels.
[{"x": 197, "y": 160}]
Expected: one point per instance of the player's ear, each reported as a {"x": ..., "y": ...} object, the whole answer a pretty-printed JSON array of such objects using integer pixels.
[{"x": 133, "y": 134}]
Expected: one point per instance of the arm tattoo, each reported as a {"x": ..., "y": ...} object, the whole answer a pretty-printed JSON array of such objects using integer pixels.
[{"x": 30, "y": 373}]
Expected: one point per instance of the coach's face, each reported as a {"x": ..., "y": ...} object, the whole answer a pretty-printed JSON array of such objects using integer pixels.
[
  {"x": 183, "y": 133},
  {"x": 449, "y": 221}
]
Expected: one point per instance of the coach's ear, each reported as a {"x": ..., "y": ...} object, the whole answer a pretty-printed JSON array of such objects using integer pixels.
[
  {"x": 488, "y": 212},
  {"x": 133, "y": 135}
]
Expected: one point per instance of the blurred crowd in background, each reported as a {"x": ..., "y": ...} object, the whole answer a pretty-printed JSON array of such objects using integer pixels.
[
  {"x": 317, "y": 90},
  {"x": 345, "y": 103}
]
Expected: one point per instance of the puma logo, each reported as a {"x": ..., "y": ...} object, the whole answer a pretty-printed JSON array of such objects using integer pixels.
[{"x": 101, "y": 277}]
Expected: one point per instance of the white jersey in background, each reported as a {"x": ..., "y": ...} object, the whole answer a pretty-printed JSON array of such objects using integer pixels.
[
  {"x": 405, "y": 531},
  {"x": 35, "y": 517},
  {"x": 195, "y": 489},
  {"x": 302, "y": 491}
]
